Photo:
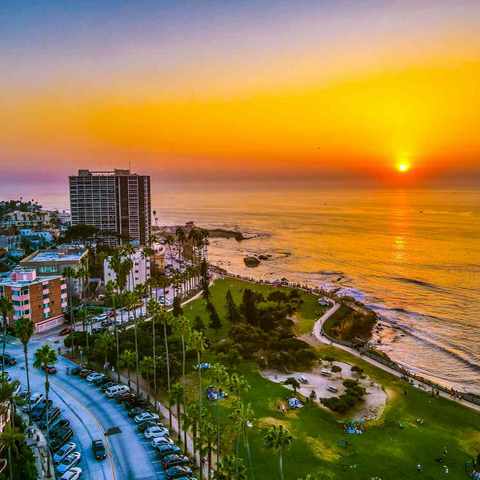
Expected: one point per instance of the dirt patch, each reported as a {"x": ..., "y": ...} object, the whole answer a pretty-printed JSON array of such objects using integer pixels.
[{"x": 324, "y": 383}]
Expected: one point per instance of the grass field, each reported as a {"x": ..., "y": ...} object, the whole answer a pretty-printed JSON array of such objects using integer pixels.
[{"x": 390, "y": 448}]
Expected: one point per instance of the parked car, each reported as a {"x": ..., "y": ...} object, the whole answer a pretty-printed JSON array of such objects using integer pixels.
[
  {"x": 177, "y": 472},
  {"x": 94, "y": 376},
  {"x": 98, "y": 449},
  {"x": 174, "y": 460},
  {"x": 75, "y": 370},
  {"x": 332, "y": 389},
  {"x": 7, "y": 359},
  {"x": 72, "y": 474},
  {"x": 59, "y": 424},
  {"x": 146, "y": 425},
  {"x": 302, "y": 379},
  {"x": 53, "y": 414},
  {"x": 161, "y": 441},
  {"x": 165, "y": 449},
  {"x": 71, "y": 460},
  {"x": 85, "y": 372},
  {"x": 116, "y": 390},
  {"x": 65, "y": 331},
  {"x": 146, "y": 416},
  {"x": 50, "y": 369},
  {"x": 60, "y": 438},
  {"x": 107, "y": 385},
  {"x": 36, "y": 398},
  {"x": 123, "y": 397},
  {"x": 69, "y": 447},
  {"x": 133, "y": 412},
  {"x": 156, "y": 431}
]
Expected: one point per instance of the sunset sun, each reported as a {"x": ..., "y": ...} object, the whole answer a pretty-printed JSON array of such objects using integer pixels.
[{"x": 403, "y": 166}]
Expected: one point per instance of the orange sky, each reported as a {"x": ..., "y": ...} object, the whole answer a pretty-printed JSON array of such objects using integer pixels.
[{"x": 352, "y": 104}]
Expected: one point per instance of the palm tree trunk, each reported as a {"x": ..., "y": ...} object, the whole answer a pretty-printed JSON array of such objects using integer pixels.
[
  {"x": 179, "y": 421},
  {"x": 4, "y": 341},
  {"x": 154, "y": 356},
  {"x": 10, "y": 466},
  {"x": 136, "y": 352},
  {"x": 249, "y": 453},
  {"x": 280, "y": 464},
  {"x": 27, "y": 371},
  {"x": 168, "y": 371},
  {"x": 47, "y": 389}
]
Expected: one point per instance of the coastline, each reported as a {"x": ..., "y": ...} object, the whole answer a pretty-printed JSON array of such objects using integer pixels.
[{"x": 377, "y": 359}]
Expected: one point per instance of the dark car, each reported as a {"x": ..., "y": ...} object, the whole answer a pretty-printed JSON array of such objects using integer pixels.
[
  {"x": 53, "y": 414},
  {"x": 75, "y": 370},
  {"x": 59, "y": 424},
  {"x": 65, "y": 331},
  {"x": 133, "y": 412},
  {"x": 98, "y": 449},
  {"x": 60, "y": 437},
  {"x": 7, "y": 359},
  {"x": 174, "y": 460},
  {"x": 177, "y": 472},
  {"x": 85, "y": 372},
  {"x": 168, "y": 449},
  {"x": 50, "y": 369},
  {"x": 107, "y": 385},
  {"x": 123, "y": 397}
]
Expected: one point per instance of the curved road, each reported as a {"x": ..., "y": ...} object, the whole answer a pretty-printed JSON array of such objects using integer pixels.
[{"x": 129, "y": 455}]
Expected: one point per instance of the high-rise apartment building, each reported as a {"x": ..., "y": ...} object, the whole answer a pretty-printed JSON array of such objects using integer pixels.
[{"x": 116, "y": 202}]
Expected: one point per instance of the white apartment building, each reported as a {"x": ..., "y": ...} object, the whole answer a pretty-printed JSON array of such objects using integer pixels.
[{"x": 140, "y": 272}]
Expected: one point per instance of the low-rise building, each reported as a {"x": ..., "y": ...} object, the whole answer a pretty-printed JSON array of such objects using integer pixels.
[
  {"x": 20, "y": 219},
  {"x": 56, "y": 260},
  {"x": 43, "y": 299},
  {"x": 140, "y": 272},
  {"x": 158, "y": 258}
]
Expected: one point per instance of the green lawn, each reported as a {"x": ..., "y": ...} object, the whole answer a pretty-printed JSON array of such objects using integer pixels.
[{"x": 386, "y": 450}]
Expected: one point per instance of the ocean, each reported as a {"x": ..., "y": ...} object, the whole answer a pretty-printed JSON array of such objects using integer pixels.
[{"x": 411, "y": 255}]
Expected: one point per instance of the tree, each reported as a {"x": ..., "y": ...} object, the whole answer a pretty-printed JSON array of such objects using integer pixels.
[
  {"x": 207, "y": 437},
  {"x": 293, "y": 382},
  {"x": 10, "y": 438},
  {"x": 24, "y": 330},
  {"x": 147, "y": 367},
  {"x": 132, "y": 299},
  {"x": 103, "y": 344},
  {"x": 215, "y": 321},
  {"x": 243, "y": 418},
  {"x": 233, "y": 314},
  {"x": 6, "y": 309},
  {"x": 279, "y": 439},
  {"x": 111, "y": 290},
  {"x": 177, "y": 307},
  {"x": 249, "y": 307},
  {"x": 205, "y": 279},
  {"x": 198, "y": 324},
  {"x": 127, "y": 360},
  {"x": 167, "y": 320},
  {"x": 176, "y": 395},
  {"x": 154, "y": 309},
  {"x": 230, "y": 468},
  {"x": 44, "y": 357}
]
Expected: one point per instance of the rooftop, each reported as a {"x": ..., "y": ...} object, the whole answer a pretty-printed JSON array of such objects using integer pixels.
[{"x": 57, "y": 255}]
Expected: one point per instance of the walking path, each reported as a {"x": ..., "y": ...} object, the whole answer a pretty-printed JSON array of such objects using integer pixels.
[{"x": 318, "y": 334}]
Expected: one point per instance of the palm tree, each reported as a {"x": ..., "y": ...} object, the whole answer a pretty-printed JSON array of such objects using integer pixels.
[
  {"x": 279, "y": 439},
  {"x": 207, "y": 440},
  {"x": 127, "y": 360},
  {"x": 175, "y": 398},
  {"x": 243, "y": 418},
  {"x": 69, "y": 274},
  {"x": 147, "y": 367},
  {"x": 180, "y": 235},
  {"x": 103, "y": 344},
  {"x": 44, "y": 357},
  {"x": 167, "y": 320},
  {"x": 111, "y": 290},
  {"x": 10, "y": 438},
  {"x": 132, "y": 299},
  {"x": 154, "y": 309},
  {"x": 230, "y": 468},
  {"x": 24, "y": 330},
  {"x": 6, "y": 309}
]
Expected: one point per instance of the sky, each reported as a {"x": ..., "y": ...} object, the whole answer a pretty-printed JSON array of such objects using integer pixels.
[{"x": 213, "y": 92}]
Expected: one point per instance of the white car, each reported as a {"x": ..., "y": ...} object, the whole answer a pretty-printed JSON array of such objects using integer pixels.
[
  {"x": 93, "y": 376},
  {"x": 146, "y": 416},
  {"x": 161, "y": 441},
  {"x": 156, "y": 431},
  {"x": 36, "y": 398},
  {"x": 71, "y": 460},
  {"x": 72, "y": 474},
  {"x": 64, "y": 451},
  {"x": 116, "y": 390}
]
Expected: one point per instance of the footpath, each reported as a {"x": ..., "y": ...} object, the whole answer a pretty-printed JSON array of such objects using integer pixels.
[{"x": 319, "y": 334}]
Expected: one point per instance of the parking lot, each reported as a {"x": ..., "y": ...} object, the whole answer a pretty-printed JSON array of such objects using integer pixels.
[{"x": 90, "y": 413}]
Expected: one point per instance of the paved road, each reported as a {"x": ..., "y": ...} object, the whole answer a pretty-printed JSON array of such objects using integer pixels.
[{"x": 90, "y": 413}]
